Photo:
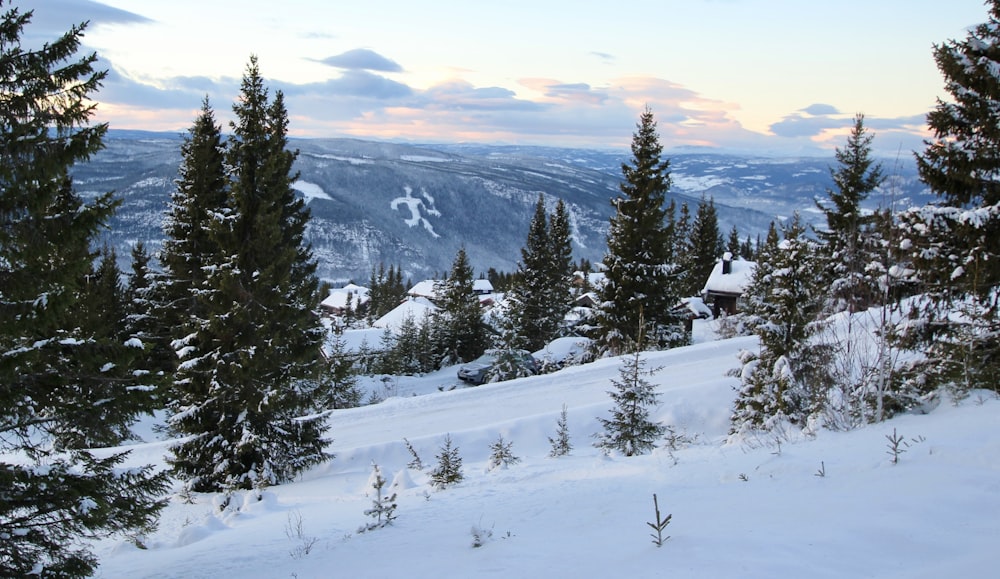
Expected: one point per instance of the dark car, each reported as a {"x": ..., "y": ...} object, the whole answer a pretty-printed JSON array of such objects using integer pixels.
[{"x": 478, "y": 371}]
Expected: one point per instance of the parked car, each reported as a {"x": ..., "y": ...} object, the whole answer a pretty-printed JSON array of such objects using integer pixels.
[{"x": 478, "y": 371}]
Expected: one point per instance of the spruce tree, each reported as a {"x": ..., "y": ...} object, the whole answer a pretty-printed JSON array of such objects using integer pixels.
[
  {"x": 849, "y": 243},
  {"x": 247, "y": 381},
  {"x": 733, "y": 242},
  {"x": 57, "y": 374},
  {"x": 786, "y": 382},
  {"x": 703, "y": 249},
  {"x": 630, "y": 429},
  {"x": 528, "y": 299},
  {"x": 640, "y": 276},
  {"x": 955, "y": 243},
  {"x": 460, "y": 332},
  {"x": 449, "y": 466}
]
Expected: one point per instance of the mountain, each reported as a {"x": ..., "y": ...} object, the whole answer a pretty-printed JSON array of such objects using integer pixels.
[{"x": 416, "y": 205}]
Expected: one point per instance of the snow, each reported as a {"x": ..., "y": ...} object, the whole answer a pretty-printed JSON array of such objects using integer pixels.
[
  {"x": 753, "y": 508},
  {"x": 413, "y": 308},
  {"x": 733, "y": 282},
  {"x": 338, "y": 298},
  {"x": 310, "y": 191},
  {"x": 418, "y": 207}
]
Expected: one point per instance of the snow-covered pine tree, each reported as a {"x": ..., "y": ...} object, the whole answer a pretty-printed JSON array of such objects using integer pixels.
[
  {"x": 630, "y": 429},
  {"x": 247, "y": 381},
  {"x": 338, "y": 380},
  {"x": 703, "y": 249},
  {"x": 501, "y": 454},
  {"x": 786, "y": 381},
  {"x": 561, "y": 445},
  {"x": 449, "y": 466},
  {"x": 459, "y": 328},
  {"x": 144, "y": 318},
  {"x": 638, "y": 264},
  {"x": 733, "y": 242},
  {"x": 849, "y": 243},
  {"x": 56, "y": 373},
  {"x": 529, "y": 307},
  {"x": 560, "y": 271},
  {"x": 383, "y": 509},
  {"x": 955, "y": 243}
]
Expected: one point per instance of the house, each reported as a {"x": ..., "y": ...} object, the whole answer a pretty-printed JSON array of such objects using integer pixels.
[
  {"x": 340, "y": 298},
  {"x": 428, "y": 289},
  {"x": 482, "y": 287},
  {"x": 424, "y": 289},
  {"x": 726, "y": 283}
]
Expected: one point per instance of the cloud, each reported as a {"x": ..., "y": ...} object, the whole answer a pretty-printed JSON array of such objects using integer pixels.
[
  {"x": 553, "y": 89},
  {"x": 606, "y": 57},
  {"x": 820, "y": 109},
  {"x": 55, "y": 17},
  {"x": 362, "y": 59}
]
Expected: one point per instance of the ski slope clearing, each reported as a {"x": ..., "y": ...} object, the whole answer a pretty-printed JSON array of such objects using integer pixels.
[{"x": 829, "y": 505}]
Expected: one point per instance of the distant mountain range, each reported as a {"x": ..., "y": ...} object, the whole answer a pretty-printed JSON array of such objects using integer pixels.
[{"x": 416, "y": 205}]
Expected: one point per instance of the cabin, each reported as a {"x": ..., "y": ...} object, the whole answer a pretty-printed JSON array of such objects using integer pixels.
[
  {"x": 351, "y": 295},
  {"x": 726, "y": 283}
]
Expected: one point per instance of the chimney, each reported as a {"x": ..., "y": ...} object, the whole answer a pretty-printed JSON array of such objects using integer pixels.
[{"x": 727, "y": 263}]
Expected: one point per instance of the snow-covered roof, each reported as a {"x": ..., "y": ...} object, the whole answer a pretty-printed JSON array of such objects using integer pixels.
[
  {"x": 415, "y": 308},
  {"x": 337, "y": 299},
  {"x": 697, "y": 307},
  {"x": 733, "y": 282},
  {"x": 424, "y": 289},
  {"x": 482, "y": 286},
  {"x": 595, "y": 279}
]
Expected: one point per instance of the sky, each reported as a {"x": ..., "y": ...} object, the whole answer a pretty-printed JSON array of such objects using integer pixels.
[{"x": 748, "y": 75}]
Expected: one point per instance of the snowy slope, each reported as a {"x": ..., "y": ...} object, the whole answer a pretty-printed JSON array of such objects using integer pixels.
[{"x": 749, "y": 509}]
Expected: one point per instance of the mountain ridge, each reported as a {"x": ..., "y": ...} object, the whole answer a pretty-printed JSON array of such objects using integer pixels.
[{"x": 415, "y": 205}]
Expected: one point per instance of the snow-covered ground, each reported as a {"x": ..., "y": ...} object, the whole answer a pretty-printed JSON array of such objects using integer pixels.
[{"x": 755, "y": 508}]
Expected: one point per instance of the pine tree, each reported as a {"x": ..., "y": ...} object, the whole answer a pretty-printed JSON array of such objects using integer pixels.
[
  {"x": 56, "y": 373},
  {"x": 528, "y": 299},
  {"x": 189, "y": 249},
  {"x": 501, "y": 455},
  {"x": 561, "y": 445},
  {"x": 338, "y": 380},
  {"x": 461, "y": 333},
  {"x": 638, "y": 265},
  {"x": 560, "y": 270},
  {"x": 733, "y": 243},
  {"x": 630, "y": 429},
  {"x": 247, "y": 381},
  {"x": 849, "y": 243},
  {"x": 449, "y": 466},
  {"x": 703, "y": 249},
  {"x": 786, "y": 381},
  {"x": 955, "y": 243},
  {"x": 383, "y": 508}
]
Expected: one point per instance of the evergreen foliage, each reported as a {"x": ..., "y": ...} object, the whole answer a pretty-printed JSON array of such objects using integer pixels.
[
  {"x": 385, "y": 291},
  {"x": 787, "y": 380},
  {"x": 561, "y": 445},
  {"x": 338, "y": 380},
  {"x": 501, "y": 455},
  {"x": 460, "y": 333},
  {"x": 383, "y": 509},
  {"x": 640, "y": 276},
  {"x": 539, "y": 296},
  {"x": 64, "y": 381},
  {"x": 850, "y": 246},
  {"x": 630, "y": 429},
  {"x": 702, "y": 250},
  {"x": 248, "y": 376},
  {"x": 954, "y": 244},
  {"x": 449, "y": 466}
]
